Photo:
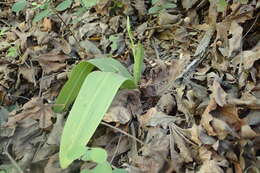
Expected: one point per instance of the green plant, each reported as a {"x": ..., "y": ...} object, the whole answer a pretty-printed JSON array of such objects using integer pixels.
[
  {"x": 222, "y": 4},
  {"x": 2, "y": 32},
  {"x": 46, "y": 8},
  {"x": 94, "y": 92},
  {"x": 159, "y": 5},
  {"x": 13, "y": 52}
]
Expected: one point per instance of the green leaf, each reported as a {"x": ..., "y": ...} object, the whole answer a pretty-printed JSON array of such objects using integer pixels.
[
  {"x": 130, "y": 34},
  {"x": 169, "y": 5},
  {"x": 71, "y": 89},
  {"x": 222, "y": 5},
  {"x": 110, "y": 65},
  {"x": 42, "y": 14},
  {"x": 100, "y": 168},
  {"x": 94, "y": 99},
  {"x": 119, "y": 171},
  {"x": 114, "y": 40},
  {"x": 155, "y": 1},
  {"x": 19, "y": 5},
  {"x": 89, "y": 3},
  {"x": 64, "y": 5},
  {"x": 98, "y": 155},
  {"x": 155, "y": 9},
  {"x": 138, "y": 62}
]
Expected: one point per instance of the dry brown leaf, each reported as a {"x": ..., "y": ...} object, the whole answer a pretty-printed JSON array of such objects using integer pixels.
[
  {"x": 247, "y": 57},
  {"x": 34, "y": 109},
  {"x": 247, "y": 132},
  {"x": 46, "y": 24},
  {"x": 125, "y": 105},
  {"x": 165, "y": 18},
  {"x": 218, "y": 93},
  {"x": 52, "y": 63},
  {"x": 185, "y": 153},
  {"x": 210, "y": 166},
  {"x": 229, "y": 113},
  {"x": 178, "y": 66},
  {"x": 166, "y": 103},
  {"x": 28, "y": 73},
  {"x": 235, "y": 41},
  {"x": 199, "y": 136},
  {"x": 222, "y": 129},
  {"x": 155, "y": 118},
  {"x": 207, "y": 118}
]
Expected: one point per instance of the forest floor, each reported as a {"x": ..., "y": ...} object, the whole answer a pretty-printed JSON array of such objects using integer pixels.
[{"x": 197, "y": 107}]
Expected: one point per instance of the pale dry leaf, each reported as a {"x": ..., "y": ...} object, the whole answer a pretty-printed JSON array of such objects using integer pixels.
[
  {"x": 247, "y": 57},
  {"x": 166, "y": 103},
  {"x": 34, "y": 109},
  {"x": 179, "y": 66},
  {"x": 247, "y": 132},
  {"x": 229, "y": 113},
  {"x": 51, "y": 62},
  {"x": 28, "y": 73},
  {"x": 185, "y": 153},
  {"x": 222, "y": 129},
  {"x": 210, "y": 166},
  {"x": 218, "y": 93},
  {"x": 207, "y": 118},
  {"x": 235, "y": 41},
  {"x": 155, "y": 118},
  {"x": 165, "y": 18},
  {"x": 46, "y": 24},
  {"x": 125, "y": 105}
]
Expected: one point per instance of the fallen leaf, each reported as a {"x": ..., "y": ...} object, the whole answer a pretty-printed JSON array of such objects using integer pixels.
[
  {"x": 235, "y": 41},
  {"x": 34, "y": 109},
  {"x": 125, "y": 105},
  {"x": 52, "y": 63}
]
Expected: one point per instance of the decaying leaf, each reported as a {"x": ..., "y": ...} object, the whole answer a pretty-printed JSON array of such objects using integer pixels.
[
  {"x": 34, "y": 109},
  {"x": 52, "y": 63}
]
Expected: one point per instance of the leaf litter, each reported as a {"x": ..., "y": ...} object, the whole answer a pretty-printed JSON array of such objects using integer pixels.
[{"x": 197, "y": 109}]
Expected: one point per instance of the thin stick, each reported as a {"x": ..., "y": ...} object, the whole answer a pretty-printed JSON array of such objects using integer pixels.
[
  {"x": 117, "y": 146},
  {"x": 123, "y": 132}
]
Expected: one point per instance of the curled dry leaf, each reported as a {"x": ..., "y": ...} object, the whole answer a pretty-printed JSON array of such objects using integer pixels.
[
  {"x": 154, "y": 118},
  {"x": 207, "y": 118},
  {"x": 125, "y": 105},
  {"x": 34, "y": 109},
  {"x": 52, "y": 63},
  {"x": 218, "y": 93}
]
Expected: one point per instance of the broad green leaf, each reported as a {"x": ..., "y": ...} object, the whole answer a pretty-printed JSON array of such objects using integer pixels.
[
  {"x": 64, "y": 5},
  {"x": 169, "y": 5},
  {"x": 138, "y": 62},
  {"x": 100, "y": 168},
  {"x": 94, "y": 99},
  {"x": 19, "y": 5},
  {"x": 89, "y": 3},
  {"x": 42, "y": 14},
  {"x": 71, "y": 89},
  {"x": 110, "y": 65},
  {"x": 222, "y": 5},
  {"x": 154, "y": 9},
  {"x": 155, "y": 1},
  {"x": 119, "y": 171},
  {"x": 98, "y": 155}
]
